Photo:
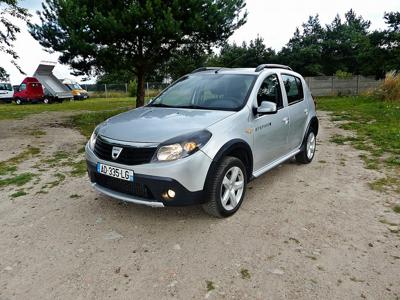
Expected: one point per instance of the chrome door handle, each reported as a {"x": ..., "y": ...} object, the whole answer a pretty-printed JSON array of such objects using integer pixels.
[
  {"x": 285, "y": 120},
  {"x": 306, "y": 111}
]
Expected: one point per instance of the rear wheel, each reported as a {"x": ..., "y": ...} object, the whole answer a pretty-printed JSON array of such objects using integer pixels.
[
  {"x": 226, "y": 188},
  {"x": 308, "y": 152},
  {"x": 46, "y": 101}
]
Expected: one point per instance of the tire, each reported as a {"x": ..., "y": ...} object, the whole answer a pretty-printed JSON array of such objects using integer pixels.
[
  {"x": 216, "y": 189},
  {"x": 46, "y": 101},
  {"x": 18, "y": 101},
  {"x": 308, "y": 149}
]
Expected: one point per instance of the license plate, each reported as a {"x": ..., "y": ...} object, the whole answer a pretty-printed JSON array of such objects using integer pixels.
[{"x": 115, "y": 172}]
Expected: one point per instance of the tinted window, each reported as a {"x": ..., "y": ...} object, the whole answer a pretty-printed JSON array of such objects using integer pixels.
[
  {"x": 5, "y": 87},
  {"x": 207, "y": 91},
  {"x": 270, "y": 90},
  {"x": 293, "y": 87},
  {"x": 22, "y": 87}
]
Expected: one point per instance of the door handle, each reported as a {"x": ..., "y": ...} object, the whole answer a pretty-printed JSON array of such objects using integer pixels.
[
  {"x": 285, "y": 120},
  {"x": 306, "y": 111}
]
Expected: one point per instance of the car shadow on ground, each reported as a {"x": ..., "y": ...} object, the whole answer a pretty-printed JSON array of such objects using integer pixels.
[{"x": 126, "y": 210}]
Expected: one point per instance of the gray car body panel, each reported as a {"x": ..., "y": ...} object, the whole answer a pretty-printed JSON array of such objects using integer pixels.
[
  {"x": 158, "y": 124},
  {"x": 273, "y": 138}
]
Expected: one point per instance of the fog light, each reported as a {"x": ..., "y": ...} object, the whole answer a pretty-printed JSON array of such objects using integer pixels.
[
  {"x": 171, "y": 193},
  {"x": 168, "y": 195}
]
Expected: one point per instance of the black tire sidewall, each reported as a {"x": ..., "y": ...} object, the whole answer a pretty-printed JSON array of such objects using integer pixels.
[
  {"x": 308, "y": 160},
  {"x": 233, "y": 162}
]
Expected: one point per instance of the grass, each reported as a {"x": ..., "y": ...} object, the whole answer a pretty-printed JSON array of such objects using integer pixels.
[
  {"x": 19, "y": 193},
  {"x": 78, "y": 168},
  {"x": 75, "y": 196},
  {"x": 210, "y": 285},
  {"x": 245, "y": 274},
  {"x": 13, "y": 111},
  {"x": 377, "y": 127},
  {"x": 9, "y": 166},
  {"x": 87, "y": 122},
  {"x": 17, "y": 180},
  {"x": 396, "y": 209}
]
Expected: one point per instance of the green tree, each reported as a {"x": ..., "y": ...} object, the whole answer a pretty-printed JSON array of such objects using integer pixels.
[
  {"x": 4, "y": 75},
  {"x": 246, "y": 55},
  {"x": 346, "y": 44},
  {"x": 137, "y": 35},
  {"x": 304, "y": 50},
  {"x": 10, "y": 9}
]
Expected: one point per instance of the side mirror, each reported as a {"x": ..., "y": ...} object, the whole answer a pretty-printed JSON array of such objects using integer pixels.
[{"x": 267, "y": 108}]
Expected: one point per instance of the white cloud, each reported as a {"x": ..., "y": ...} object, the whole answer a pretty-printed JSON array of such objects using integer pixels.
[{"x": 275, "y": 21}]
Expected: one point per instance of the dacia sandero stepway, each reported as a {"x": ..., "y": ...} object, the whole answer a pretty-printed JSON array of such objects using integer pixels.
[{"x": 204, "y": 138}]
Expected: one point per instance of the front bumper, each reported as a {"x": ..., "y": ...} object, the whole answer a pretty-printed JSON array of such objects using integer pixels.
[{"x": 186, "y": 177}]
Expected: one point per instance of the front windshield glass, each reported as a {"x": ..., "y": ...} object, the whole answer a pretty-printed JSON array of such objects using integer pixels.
[{"x": 207, "y": 91}]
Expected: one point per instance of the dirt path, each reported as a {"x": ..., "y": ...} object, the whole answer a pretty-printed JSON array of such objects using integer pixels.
[{"x": 309, "y": 232}]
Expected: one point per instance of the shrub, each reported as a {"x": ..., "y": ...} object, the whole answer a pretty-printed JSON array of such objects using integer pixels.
[
  {"x": 132, "y": 88},
  {"x": 390, "y": 88},
  {"x": 343, "y": 74}
]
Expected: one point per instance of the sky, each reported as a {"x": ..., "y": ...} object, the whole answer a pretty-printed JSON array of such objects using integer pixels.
[{"x": 274, "y": 21}]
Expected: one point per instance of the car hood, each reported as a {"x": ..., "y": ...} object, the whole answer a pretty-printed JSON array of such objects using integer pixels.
[{"x": 157, "y": 124}]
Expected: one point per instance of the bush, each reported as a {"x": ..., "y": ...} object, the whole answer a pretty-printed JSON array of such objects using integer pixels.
[
  {"x": 343, "y": 74},
  {"x": 132, "y": 88},
  {"x": 390, "y": 88}
]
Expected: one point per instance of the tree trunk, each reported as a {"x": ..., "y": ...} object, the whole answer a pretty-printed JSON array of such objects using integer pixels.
[{"x": 140, "y": 88}]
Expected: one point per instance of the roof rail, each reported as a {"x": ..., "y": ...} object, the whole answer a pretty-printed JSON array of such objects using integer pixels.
[
  {"x": 272, "y": 66},
  {"x": 202, "y": 69}
]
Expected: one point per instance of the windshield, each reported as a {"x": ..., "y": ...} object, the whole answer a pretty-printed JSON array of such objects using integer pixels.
[
  {"x": 207, "y": 91},
  {"x": 5, "y": 87}
]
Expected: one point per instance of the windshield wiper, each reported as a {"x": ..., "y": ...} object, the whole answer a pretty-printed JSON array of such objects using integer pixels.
[
  {"x": 160, "y": 105},
  {"x": 192, "y": 106}
]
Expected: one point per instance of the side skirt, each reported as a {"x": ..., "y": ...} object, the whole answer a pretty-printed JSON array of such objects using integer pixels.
[{"x": 275, "y": 163}]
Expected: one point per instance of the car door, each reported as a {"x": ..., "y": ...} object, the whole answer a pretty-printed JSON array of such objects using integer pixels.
[
  {"x": 297, "y": 108},
  {"x": 270, "y": 130}
]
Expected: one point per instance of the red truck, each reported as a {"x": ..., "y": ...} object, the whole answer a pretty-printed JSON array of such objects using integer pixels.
[{"x": 30, "y": 90}]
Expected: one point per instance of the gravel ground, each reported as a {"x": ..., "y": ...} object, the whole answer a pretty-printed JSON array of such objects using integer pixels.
[{"x": 304, "y": 232}]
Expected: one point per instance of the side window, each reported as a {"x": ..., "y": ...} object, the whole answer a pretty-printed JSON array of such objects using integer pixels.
[
  {"x": 270, "y": 91},
  {"x": 22, "y": 87},
  {"x": 294, "y": 88},
  {"x": 3, "y": 87}
]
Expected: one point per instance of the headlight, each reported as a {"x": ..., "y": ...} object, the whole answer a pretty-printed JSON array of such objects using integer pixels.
[
  {"x": 182, "y": 146},
  {"x": 78, "y": 94},
  {"x": 92, "y": 140}
]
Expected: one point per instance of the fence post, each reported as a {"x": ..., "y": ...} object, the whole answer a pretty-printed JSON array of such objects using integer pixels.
[
  {"x": 105, "y": 89},
  {"x": 358, "y": 82},
  {"x": 126, "y": 88},
  {"x": 333, "y": 84}
]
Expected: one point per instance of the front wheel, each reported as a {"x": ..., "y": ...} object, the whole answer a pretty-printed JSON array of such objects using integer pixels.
[
  {"x": 18, "y": 101},
  {"x": 308, "y": 152},
  {"x": 46, "y": 101},
  {"x": 226, "y": 188}
]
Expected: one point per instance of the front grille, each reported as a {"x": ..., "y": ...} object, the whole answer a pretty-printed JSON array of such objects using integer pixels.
[
  {"x": 123, "y": 186},
  {"x": 129, "y": 155}
]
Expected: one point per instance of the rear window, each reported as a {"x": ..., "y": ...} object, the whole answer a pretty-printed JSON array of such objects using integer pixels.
[
  {"x": 5, "y": 87},
  {"x": 294, "y": 88}
]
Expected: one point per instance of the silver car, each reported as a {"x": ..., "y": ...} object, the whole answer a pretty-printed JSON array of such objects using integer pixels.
[{"x": 204, "y": 138}]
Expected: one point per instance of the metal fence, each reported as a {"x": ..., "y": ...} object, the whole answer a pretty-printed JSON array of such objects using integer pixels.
[
  {"x": 121, "y": 89},
  {"x": 319, "y": 86},
  {"x": 332, "y": 85}
]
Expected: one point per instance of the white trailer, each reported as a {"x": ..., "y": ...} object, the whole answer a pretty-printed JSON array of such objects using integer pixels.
[{"x": 54, "y": 89}]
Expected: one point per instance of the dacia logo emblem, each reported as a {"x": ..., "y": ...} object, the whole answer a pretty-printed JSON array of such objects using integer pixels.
[{"x": 116, "y": 151}]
